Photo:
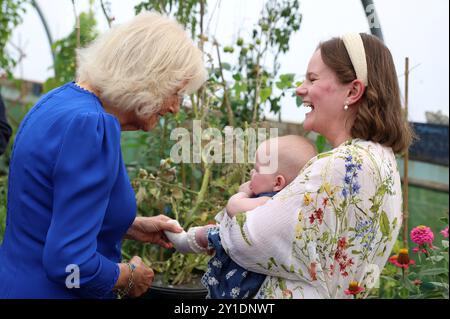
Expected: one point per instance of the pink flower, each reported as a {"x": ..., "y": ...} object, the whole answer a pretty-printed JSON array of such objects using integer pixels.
[
  {"x": 422, "y": 235},
  {"x": 444, "y": 232}
]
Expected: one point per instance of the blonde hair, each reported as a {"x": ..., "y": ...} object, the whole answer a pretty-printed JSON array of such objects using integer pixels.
[{"x": 137, "y": 65}]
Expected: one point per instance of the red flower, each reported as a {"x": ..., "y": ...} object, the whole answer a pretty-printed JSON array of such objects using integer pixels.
[
  {"x": 325, "y": 202},
  {"x": 354, "y": 288},
  {"x": 337, "y": 255},
  {"x": 287, "y": 293},
  {"x": 318, "y": 213},
  {"x": 342, "y": 243},
  {"x": 313, "y": 271},
  {"x": 331, "y": 270},
  {"x": 402, "y": 259},
  {"x": 417, "y": 282},
  {"x": 341, "y": 256}
]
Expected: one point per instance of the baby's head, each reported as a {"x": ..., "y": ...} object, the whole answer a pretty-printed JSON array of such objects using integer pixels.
[{"x": 272, "y": 173}]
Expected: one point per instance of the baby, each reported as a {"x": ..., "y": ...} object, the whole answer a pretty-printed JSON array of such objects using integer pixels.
[{"x": 278, "y": 162}]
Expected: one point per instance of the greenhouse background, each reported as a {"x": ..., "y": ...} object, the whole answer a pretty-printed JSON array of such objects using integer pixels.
[{"x": 33, "y": 65}]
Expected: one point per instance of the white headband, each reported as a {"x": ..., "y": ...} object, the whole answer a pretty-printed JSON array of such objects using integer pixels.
[{"x": 355, "y": 48}]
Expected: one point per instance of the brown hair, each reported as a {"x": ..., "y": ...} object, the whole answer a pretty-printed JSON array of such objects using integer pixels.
[{"x": 380, "y": 117}]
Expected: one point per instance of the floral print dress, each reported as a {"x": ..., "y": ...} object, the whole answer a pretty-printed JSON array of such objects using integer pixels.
[{"x": 335, "y": 223}]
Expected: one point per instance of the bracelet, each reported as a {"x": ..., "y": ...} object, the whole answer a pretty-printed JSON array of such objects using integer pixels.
[
  {"x": 192, "y": 242},
  {"x": 124, "y": 292}
]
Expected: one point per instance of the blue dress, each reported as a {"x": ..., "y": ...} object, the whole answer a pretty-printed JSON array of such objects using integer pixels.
[
  {"x": 70, "y": 201},
  {"x": 225, "y": 279}
]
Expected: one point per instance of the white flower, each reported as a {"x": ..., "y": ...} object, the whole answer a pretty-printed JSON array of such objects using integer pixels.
[
  {"x": 235, "y": 292},
  {"x": 212, "y": 281},
  {"x": 217, "y": 263},
  {"x": 230, "y": 273}
]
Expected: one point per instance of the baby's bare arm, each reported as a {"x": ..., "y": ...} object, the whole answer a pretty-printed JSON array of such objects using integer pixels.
[{"x": 241, "y": 202}]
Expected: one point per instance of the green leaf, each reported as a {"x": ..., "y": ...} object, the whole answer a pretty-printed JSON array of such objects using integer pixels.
[
  {"x": 226, "y": 66},
  {"x": 320, "y": 143},
  {"x": 240, "y": 219},
  {"x": 265, "y": 94},
  {"x": 443, "y": 285},
  {"x": 433, "y": 271},
  {"x": 436, "y": 258},
  {"x": 228, "y": 49},
  {"x": 322, "y": 155},
  {"x": 444, "y": 220},
  {"x": 384, "y": 223},
  {"x": 287, "y": 77}
]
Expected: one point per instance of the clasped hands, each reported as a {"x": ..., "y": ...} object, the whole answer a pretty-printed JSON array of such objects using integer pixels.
[{"x": 146, "y": 230}]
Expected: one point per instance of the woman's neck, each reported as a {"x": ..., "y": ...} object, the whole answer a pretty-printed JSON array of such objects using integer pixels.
[
  {"x": 340, "y": 139},
  {"x": 123, "y": 118},
  {"x": 337, "y": 137},
  {"x": 88, "y": 87}
]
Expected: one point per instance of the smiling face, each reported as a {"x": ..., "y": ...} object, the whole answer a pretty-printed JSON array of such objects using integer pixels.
[
  {"x": 132, "y": 122},
  {"x": 322, "y": 92}
]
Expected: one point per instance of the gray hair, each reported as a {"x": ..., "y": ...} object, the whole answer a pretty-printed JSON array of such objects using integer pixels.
[{"x": 137, "y": 65}]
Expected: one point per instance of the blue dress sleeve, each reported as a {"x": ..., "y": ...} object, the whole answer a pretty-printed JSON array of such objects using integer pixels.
[{"x": 84, "y": 174}]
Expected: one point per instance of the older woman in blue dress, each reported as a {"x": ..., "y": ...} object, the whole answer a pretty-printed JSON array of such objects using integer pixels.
[{"x": 70, "y": 202}]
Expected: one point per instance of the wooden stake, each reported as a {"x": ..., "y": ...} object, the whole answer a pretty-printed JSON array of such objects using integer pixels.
[{"x": 405, "y": 165}]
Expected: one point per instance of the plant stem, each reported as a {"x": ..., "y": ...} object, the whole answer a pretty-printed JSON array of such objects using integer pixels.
[
  {"x": 203, "y": 188},
  {"x": 163, "y": 139},
  {"x": 166, "y": 184},
  {"x": 226, "y": 99},
  {"x": 108, "y": 18}
]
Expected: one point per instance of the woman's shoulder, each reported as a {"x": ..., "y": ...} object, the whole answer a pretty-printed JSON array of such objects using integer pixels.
[
  {"x": 366, "y": 150},
  {"x": 68, "y": 105},
  {"x": 363, "y": 154}
]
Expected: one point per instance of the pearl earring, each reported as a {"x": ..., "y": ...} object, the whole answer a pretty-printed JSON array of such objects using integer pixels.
[{"x": 346, "y": 107}]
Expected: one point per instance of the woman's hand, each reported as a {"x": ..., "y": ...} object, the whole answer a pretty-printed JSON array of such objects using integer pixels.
[
  {"x": 141, "y": 281},
  {"x": 151, "y": 230}
]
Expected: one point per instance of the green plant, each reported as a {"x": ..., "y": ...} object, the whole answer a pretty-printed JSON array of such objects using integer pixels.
[
  {"x": 422, "y": 274},
  {"x": 11, "y": 12},
  {"x": 65, "y": 51}
]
